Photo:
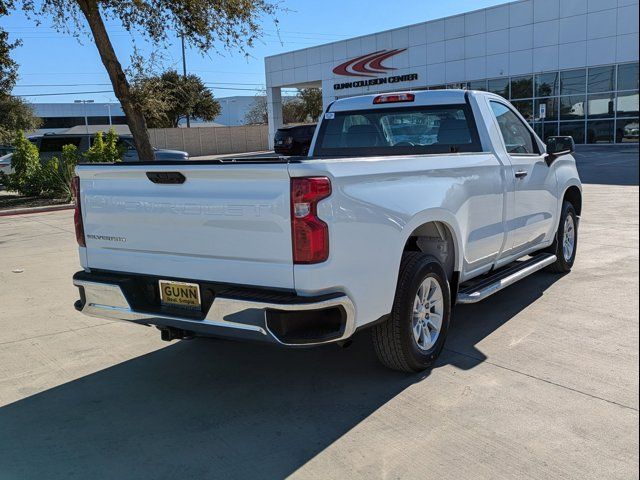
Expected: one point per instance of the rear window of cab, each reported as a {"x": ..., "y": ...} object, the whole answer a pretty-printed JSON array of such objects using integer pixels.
[{"x": 398, "y": 131}]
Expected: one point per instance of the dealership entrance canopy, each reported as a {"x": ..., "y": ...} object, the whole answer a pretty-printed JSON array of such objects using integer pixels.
[{"x": 569, "y": 66}]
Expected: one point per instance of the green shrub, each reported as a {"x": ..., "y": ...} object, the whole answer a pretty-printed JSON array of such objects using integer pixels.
[
  {"x": 53, "y": 178},
  {"x": 105, "y": 149},
  {"x": 57, "y": 174},
  {"x": 26, "y": 178}
]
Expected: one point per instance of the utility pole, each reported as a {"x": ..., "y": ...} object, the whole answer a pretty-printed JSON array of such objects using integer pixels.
[{"x": 184, "y": 72}]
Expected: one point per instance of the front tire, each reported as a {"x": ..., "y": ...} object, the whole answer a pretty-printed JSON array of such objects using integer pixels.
[
  {"x": 411, "y": 339},
  {"x": 565, "y": 245}
]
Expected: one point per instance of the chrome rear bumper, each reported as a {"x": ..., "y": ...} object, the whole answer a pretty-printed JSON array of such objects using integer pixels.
[{"x": 227, "y": 317}]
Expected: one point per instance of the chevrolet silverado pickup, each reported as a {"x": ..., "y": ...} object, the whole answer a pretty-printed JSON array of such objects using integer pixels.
[{"x": 407, "y": 204}]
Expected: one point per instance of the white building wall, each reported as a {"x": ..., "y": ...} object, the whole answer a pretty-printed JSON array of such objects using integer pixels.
[
  {"x": 76, "y": 109},
  {"x": 233, "y": 109},
  {"x": 522, "y": 37}
]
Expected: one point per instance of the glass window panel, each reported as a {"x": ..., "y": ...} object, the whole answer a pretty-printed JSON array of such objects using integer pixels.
[
  {"x": 601, "y": 79},
  {"x": 399, "y": 130},
  {"x": 572, "y": 107},
  {"x": 525, "y": 107},
  {"x": 437, "y": 87},
  {"x": 522, "y": 87},
  {"x": 546, "y": 130},
  {"x": 547, "y": 84},
  {"x": 627, "y": 104},
  {"x": 600, "y": 131},
  {"x": 573, "y": 129},
  {"x": 627, "y": 130},
  {"x": 517, "y": 137},
  {"x": 549, "y": 129},
  {"x": 628, "y": 76},
  {"x": 478, "y": 85},
  {"x": 537, "y": 127},
  {"x": 572, "y": 82},
  {"x": 457, "y": 86},
  {"x": 552, "y": 108},
  {"x": 600, "y": 105},
  {"x": 499, "y": 86}
]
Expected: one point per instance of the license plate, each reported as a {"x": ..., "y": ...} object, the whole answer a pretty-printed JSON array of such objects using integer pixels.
[{"x": 179, "y": 294}]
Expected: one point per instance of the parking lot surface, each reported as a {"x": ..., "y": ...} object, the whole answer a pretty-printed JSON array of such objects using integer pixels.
[{"x": 539, "y": 381}]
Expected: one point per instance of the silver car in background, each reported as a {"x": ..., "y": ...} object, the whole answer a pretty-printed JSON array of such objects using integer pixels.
[
  {"x": 5, "y": 163},
  {"x": 50, "y": 145}
]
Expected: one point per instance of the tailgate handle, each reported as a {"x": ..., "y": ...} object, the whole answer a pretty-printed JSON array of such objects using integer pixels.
[{"x": 169, "y": 178}]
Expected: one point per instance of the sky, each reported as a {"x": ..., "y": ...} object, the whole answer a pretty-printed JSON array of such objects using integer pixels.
[{"x": 51, "y": 62}]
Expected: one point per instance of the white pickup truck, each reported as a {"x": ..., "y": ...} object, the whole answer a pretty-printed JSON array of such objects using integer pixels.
[{"x": 407, "y": 204}]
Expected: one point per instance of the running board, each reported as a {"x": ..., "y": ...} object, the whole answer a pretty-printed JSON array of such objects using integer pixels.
[{"x": 502, "y": 279}]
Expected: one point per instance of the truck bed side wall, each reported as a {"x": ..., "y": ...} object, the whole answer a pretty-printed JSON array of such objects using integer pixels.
[{"x": 377, "y": 203}]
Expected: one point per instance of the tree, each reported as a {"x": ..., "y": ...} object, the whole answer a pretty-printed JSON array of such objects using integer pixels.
[
  {"x": 173, "y": 97},
  {"x": 257, "y": 114},
  {"x": 15, "y": 115},
  {"x": 311, "y": 99},
  {"x": 205, "y": 24},
  {"x": 146, "y": 88},
  {"x": 8, "y": 68},
  {"x": 305, "y": 106}
]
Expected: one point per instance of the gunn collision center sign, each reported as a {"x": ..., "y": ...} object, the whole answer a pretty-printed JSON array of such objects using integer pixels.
[{"x": 370, "y": 66}]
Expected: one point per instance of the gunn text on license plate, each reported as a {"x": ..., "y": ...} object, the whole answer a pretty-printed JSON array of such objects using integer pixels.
[{"x": 179, "y": 294}]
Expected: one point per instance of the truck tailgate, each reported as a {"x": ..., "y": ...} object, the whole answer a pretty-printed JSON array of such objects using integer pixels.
[{"x": 225, "y": 223}]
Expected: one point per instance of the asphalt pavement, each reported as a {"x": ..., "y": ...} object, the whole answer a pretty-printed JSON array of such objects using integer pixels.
[{"x": 539, "y": 381}]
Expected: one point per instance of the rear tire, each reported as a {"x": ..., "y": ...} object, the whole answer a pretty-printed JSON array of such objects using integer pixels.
[
  {"x": 565, "y": 245},
  {"x": 413, "y": 336}
]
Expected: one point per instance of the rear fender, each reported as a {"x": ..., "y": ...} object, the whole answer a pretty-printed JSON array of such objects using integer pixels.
[{"x": 435, "y": 215}]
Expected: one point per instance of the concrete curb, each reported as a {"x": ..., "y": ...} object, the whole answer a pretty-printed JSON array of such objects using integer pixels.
[{"x": 25, "y": 211}]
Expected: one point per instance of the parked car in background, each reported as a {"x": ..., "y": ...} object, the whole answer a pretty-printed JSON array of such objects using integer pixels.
[
  {"x": 50, "y": 145},
  {"x": 131, "y": 154},
  {"x": 5, "y": 163},
  {"x": 5, "y": 149},
  {"x": 294, "y": 140}
]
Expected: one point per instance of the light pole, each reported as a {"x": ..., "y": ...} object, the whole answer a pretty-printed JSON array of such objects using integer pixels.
[
  {"x": 108, "y": 108},
  {"x": 184, "y": 71},
  {"x": 86, "y": 119}
]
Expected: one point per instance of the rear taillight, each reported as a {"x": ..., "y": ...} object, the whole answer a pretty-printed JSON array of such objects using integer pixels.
[
  {"x": 394, "y": 98},
  {"x": 77, "y": 214},
  {"x": 309, "y": 234}
]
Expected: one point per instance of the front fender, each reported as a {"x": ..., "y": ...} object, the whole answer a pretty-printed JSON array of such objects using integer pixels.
[{"x": 567, "y": 176}]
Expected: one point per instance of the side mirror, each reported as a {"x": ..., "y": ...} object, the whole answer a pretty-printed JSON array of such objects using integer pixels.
[{"x": 557, "y": 146}]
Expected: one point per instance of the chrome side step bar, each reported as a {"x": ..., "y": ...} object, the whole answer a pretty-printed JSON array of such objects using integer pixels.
[{"x": 502, "y": 279}]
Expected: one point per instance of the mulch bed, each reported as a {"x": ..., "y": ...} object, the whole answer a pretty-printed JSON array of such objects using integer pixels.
[{"x": 10, "y": 201}]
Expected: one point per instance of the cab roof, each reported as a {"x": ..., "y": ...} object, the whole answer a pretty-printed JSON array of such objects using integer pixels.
[{"x": 422, "y": 98}]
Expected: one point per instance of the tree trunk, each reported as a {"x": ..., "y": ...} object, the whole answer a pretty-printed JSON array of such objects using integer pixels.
[{"x": 135, "y": 118}]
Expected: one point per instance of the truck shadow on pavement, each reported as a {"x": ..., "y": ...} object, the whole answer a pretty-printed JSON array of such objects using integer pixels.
[
  {"x": 220, "y": 409},
  {"x": 473, "y": 323}
]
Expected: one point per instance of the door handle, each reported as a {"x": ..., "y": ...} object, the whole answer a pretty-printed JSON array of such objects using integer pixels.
[{"x": 521, "y": 173}]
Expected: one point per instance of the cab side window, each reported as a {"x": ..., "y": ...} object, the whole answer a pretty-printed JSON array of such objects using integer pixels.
[{"x": 517, "y": 137}]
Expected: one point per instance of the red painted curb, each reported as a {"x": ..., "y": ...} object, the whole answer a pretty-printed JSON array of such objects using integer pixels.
[{"x": 26, "y": 211}]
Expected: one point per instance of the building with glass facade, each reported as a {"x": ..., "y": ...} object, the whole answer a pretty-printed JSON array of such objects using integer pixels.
[
  {"x": 593, "y": 105},
  {"x": 569, "y": 66}
]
